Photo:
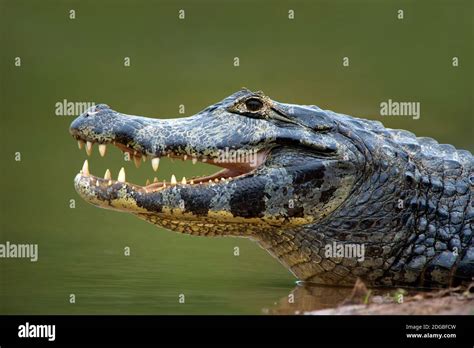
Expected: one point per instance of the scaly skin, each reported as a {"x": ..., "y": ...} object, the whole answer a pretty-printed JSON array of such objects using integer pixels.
[{"x": 321, "y": 177}]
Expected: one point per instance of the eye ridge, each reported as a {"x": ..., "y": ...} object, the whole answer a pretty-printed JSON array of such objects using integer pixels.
[{"x": 253, "y": 104}]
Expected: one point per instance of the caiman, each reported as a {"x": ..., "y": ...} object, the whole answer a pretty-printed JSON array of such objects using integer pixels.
[{"x": 301, "y": 182}]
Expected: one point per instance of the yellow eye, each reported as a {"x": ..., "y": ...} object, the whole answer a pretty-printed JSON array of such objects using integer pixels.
[{"x": 253, "y": 104}]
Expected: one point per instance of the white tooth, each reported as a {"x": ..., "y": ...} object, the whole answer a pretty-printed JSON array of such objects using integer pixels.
[
  {"x": 144, "y": 158},
  {"x": 88, "y": 148},
  {"x": 121, "y": 175},
  {"x": 185, "y": 157},
  {"x": 216, "y": 180},
  {"x": 173, "y": 180},
  {"x": 164, "y": 183},
  {"x": 155, "y": 179},
  {"x": 192, "y": 182},
  {"x": 168, "y": 155},
  {"x": 183, "y": 181},
  {"x": 102, "y": 149},
  {"x": 195, "y": 160},
  {"x": 147, "y": 182},
  {"x": 80, "y": 144},
  {"x": 137, "y": 160},
  {"x": 210, "y": 181},
  {"x": 107, "y": 175},
  {"x": 85, "y": 168},
  {"x": 204, "y": 160},
  {"x": 109, "y": 183},
  {"x": 97, "y": 183},
  {"x": 222, "y": 179},
  {"x": 155, "y": 162}
]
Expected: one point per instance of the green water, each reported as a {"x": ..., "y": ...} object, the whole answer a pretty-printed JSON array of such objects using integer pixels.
[{"x": 190, "y": 62}]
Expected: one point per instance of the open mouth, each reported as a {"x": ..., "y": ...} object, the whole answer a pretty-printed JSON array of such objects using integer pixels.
[{"x": 232, "y": 168}]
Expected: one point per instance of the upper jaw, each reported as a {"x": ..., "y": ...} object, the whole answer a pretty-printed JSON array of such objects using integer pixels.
[
  {"x": 145, "y": 138},
  {"x": 200, "y": 136}
]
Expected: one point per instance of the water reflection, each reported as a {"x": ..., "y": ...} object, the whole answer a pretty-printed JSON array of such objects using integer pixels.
[
  {"x": 306, "y": 297},
  {"x": 309, "y": 297}
]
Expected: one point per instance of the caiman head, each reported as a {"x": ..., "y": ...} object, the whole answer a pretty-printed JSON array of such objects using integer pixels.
[{"x": 283, "y": 166}]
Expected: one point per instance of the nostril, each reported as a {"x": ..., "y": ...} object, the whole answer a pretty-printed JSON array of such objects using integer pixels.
[
  {"x": 91, "y": 113},
  {"x": 94, "y": 110}
]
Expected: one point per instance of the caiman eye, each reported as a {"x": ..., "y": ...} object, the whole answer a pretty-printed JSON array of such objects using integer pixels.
[{"x": 253, "y": 104}]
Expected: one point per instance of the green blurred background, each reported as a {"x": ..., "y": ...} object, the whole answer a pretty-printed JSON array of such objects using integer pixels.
[{"x": 190, "y": 62}]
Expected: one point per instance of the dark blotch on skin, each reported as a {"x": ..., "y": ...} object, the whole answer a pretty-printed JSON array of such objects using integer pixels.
[
  {"x": 327, "y": 195},
  {"x": 249, "y": 200},
  {"x": 296, "y": 212},
  {"x": 312, "y": 171},
  {"x": 196, "y": 204},
  {"x": 150, "y": 202}
]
